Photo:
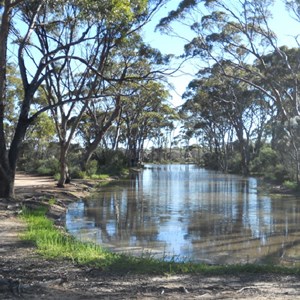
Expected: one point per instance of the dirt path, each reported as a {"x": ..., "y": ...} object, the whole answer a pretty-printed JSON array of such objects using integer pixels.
[{"x": 24, "y": 274}]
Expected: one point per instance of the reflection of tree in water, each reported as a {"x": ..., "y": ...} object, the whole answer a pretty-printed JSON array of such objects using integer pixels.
[
  {"x": 245, "y": 225},
  {"x": 222, "y": 211},
  {"x": 208, "y": 215},
  {"x": 119, "y": 212}
]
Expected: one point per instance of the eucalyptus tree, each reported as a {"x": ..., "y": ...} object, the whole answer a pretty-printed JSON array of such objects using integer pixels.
[
  {"x": 6, "y": 175},
  {"x": 285, "y": 132},
  {"x": 77, "y": 78},
  {"x": 43, "y": 42},
  {"x": 130, "y": 67},
  {"x": 104, "y": 65},
  {"x": 239, "y": 33},
  {"x": 145, "y": 116},
  {"x": 226, "y": 109},
  {"x": 203, "y": 119}
]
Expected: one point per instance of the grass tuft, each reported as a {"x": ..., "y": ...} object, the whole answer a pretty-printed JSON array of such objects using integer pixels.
[{"x": 52, "y": 242}]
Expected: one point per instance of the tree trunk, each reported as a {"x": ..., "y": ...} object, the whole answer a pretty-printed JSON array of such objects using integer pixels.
[
  {"x": 93, "y": 146},
  {"x": 64, "y": 171},
  {"x": 7, "y": 182},
  {"x": 6, "y": 178},
  {"x": 244, "y": 157}
]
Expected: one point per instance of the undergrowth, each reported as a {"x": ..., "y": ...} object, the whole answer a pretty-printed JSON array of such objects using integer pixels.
[{"x": 55, "y": 243}]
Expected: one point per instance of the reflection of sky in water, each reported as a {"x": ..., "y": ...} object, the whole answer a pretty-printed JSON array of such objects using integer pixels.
[{"x": 190, "y": 212}]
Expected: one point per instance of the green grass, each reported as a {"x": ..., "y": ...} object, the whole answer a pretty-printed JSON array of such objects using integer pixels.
[
  {"x": 55, "y": 243},
  {"x": 99, "y": 176}
]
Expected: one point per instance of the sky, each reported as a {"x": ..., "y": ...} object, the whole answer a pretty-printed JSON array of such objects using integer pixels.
[{"x": 284, "y": 26}]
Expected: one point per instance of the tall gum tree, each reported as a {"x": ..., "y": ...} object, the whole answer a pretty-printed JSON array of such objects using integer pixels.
[
  {"x": 23, "y": 22},
  {"x": 95, "y": 81},
  {"x": 239, "y": 33},
  {"x": 5, "y": 174},
  {"x": 9, "y": 153},
  {"x": 132, "y": 66}
]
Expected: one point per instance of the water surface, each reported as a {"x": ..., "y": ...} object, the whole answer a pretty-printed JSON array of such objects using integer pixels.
[{"x": 189, "y": 213}]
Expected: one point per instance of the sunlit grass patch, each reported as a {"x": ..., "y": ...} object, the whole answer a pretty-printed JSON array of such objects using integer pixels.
[{"x": 55, "y": 243}]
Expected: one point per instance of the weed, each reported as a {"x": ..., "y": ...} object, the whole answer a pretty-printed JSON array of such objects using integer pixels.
[
  {"x": 99, "y": 176},
  {"x": 52, "y": 201}
]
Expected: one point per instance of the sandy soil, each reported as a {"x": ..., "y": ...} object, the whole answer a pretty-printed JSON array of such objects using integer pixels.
[{"x": 24, "y": 274}]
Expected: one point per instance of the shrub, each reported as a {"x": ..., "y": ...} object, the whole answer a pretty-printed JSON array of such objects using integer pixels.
[
  {"x": 280, "y": 173},
  {"x": 48, "y": 166},
  {"x": 234, "y": 163},
  {"x": 111, "y": 162},
  {"x": 92, "y": 167},
  {"x": 210, "y": 161},
  {"x": 291, "y": 185},
  {"x": 42, "y": 170},
  {"x": 265, "y": 161}
]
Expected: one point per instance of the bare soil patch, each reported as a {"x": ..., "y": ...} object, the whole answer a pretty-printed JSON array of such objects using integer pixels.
[{"x": 25, "y": 274}]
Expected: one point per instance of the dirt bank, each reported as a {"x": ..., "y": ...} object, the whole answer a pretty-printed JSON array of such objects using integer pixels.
[{"x": 24, "y": 274}]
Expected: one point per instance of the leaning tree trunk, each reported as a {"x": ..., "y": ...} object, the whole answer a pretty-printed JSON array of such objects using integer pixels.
[
  {"x": 8, "y": 159},
  {"x": 101, "y": 131},
  {"x": 90, "y": 149}
]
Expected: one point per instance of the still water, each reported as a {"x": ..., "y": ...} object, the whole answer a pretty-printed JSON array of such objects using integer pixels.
[{"x": 187, "y": 213}]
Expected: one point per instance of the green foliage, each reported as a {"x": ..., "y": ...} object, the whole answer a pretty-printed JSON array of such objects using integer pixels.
[
  {"x": 92, "y": 167},
  {"x": 48, "y": 166},
  {"x": 267, "y": 164},
  {"x": 281, "y": 173},
  {"x": 54, "y": 243},
  {"x": 234, "y": 163},
  {"x": 290, "y": 185},
  {"x": 210, "y": 161},
  {"x": 99, "y": 176},
  {"x": 43, "y": 170},
  {"x": 114, "y": 11},
  {"x": 111, "y": 162},
  {"x": 56, "y": 176},
  {"x": 43, "y": 129},
  {"x": 266, "y": 160},
  {"x": 75, "y": 172}
]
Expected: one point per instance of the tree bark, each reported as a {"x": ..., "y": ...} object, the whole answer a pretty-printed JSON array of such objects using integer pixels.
[
  {"x": 6, "y": 174},
  {"x": 64, "y": 170},
  {"x": 7, "y": 183}
]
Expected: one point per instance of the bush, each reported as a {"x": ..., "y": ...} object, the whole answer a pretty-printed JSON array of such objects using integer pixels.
[
  {"x": 111, "y": 162},
  {"x": 276, "y": 173},
  {"x": 291, "y": 185},
  {"x": 235, "y": 163},
  {"x": 42, "y": 170},
  {"x": 210, "y": 161},
  {"x": 265, "y": 161},
  {"x": 75, "y": 172},
  {"x": 48, "y": 166},
  {"x": 92, "y": 167}
]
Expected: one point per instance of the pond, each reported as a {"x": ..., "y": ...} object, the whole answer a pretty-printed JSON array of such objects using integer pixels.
[{"x": 187, "y": 213}]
